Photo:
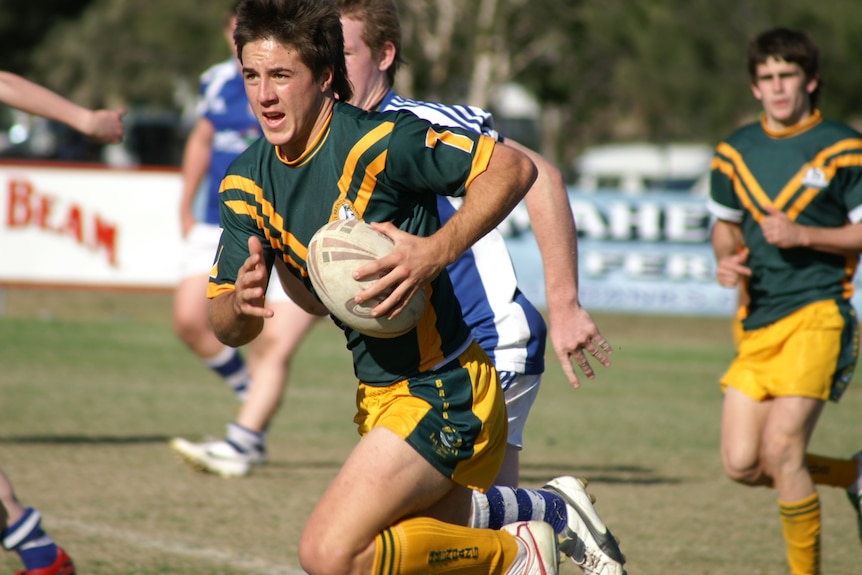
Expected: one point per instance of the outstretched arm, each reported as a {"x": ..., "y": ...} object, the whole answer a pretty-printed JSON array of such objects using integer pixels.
[
  {"x": 573, "y": 332},
  {"x": 237, "y": 316},
  {"x": 103, "y": 125}
]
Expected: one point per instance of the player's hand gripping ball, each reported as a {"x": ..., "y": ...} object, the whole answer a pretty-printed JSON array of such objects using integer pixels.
[{"x": 336, "y": 250}]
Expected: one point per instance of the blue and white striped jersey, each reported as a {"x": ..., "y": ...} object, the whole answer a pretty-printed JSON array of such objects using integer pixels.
[
  {"x": 507, "y": 326},
  {"x": 223, "y": 102}
]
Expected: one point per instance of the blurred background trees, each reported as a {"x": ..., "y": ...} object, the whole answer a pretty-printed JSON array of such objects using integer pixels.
[{"x": 594, "y": 71}]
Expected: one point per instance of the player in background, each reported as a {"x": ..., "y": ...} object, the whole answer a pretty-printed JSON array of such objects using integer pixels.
[
  {"x": 787, "y": 195},
  {"x": 22, "y": 526},
  {"x": 226, "y": 126}
]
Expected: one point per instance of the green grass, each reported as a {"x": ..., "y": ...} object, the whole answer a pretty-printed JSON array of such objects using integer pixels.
[{"x": 93, "y": 385}]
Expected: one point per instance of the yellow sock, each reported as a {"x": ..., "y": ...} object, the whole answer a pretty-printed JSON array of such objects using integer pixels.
[
  {"x": 831, "y": 471},
  {"x": 427, "y": 546},
  {"x": 800, "y": 523}
]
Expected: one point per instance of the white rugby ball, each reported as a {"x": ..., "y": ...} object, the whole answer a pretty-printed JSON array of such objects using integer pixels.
[{"x": 336, "y": 250}]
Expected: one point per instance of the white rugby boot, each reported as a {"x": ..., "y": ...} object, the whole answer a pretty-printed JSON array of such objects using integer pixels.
[
  {"x": 218, "y": 457},
  {"x": 586, "y": 540},
  {"x": 539, "y": 554}
]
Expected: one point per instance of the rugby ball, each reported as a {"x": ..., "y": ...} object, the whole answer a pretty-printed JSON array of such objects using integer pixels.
[{"x": 335, "y": 251}]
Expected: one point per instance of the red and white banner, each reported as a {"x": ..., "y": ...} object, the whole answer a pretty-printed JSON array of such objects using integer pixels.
[{"x": 89, "y": 226}]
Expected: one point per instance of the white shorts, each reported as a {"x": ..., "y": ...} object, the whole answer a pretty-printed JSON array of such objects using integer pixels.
[
  {"x": 520, "y": 391},
  {"x": 198, "y": 254}
]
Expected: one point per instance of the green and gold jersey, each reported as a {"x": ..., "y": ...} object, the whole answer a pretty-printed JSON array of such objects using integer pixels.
[
  {"x": 813, "y": 173},
  {"x": 373, "y": 166}
]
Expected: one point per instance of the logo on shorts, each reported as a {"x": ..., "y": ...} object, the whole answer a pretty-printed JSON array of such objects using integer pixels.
[{"x": 450, "y": 438}]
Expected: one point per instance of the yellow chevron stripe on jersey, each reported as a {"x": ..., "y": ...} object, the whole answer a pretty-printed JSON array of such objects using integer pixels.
[
  {"x": 268, "y": 220},
  {"x": 746, "y": 185},
  {"x": 369, "y": 182},
  {"x": 801, "y": 203},
  {"x": 363, "y": 145},
  {"x": 835, "y": 153},
  {"x": 748, "y": 188},
  {"x": 741, "y": 177}
]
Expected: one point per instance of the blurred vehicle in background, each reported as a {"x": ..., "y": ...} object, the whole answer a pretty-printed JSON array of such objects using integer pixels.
[{"x": 639, "y": 168}]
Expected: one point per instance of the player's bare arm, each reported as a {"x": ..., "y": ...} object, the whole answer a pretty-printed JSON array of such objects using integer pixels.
[
  {"x": 103, "y": 125},
  {"x": 730, "y": 253},
  {"x": 237, "y": 316},
  {"x": 196, "y": 161},
  {"x": 414, "y": 261},
  {"x": 780, "y": 231},
  {"x": 573, "y": 332}
]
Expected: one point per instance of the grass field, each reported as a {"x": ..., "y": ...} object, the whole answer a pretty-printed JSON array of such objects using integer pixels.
[{"x": 93, "y": 385}]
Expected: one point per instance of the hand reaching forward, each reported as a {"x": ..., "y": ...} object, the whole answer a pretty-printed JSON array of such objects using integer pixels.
[
  {"x": 251, "y": 282},
  {"x": 574, "y": 337}
]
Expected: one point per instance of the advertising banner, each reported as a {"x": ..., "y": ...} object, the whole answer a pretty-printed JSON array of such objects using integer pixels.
[
  {"x": 88, "y": 226},
  {"x": 647, "y": 253},
  {"x": 80, "y": 226}
]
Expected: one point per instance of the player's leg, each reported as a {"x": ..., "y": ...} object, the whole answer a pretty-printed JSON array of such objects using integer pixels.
[
  {"x": 190, "y": 320},
  {"x": 564, "y": 503},
  {"x": 742, "y": 422},
  {"x": 385, "y": 481},
  {"x": 21, "y": 531},
  {"x": 788, "y": 430},
  {"x": 244, "y": 444},
  {"x": 403, "y": 492},
  {"x": 269, "y": 357}
]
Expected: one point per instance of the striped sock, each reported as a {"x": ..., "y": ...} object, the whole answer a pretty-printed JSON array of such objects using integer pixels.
[
  {"x": 504, "y": 505},
  {"x": 231, "y": 367},
  {"x": 245, "y": 440},
  {"x": 26, "y": 537}
]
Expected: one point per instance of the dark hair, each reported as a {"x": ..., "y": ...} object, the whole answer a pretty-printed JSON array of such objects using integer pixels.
[
  {"x": 311, "y": 27},
  {"x": 382, "y": 24},
  {"x": 792, "y": 46}
]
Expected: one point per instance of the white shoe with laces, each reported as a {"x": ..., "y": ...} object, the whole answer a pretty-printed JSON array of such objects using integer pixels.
[
  {"x": 538, "y": 548},
  {"x": 218, "y": 457},
  {"x": 586, "y": 540}
]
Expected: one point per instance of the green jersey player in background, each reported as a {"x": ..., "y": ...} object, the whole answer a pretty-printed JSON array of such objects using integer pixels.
[{"x": 787, "y": 195}]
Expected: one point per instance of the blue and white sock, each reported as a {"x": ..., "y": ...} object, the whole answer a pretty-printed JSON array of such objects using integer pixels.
[
  {"x": 26, "y": 537},
  {"x": 504, "y": 505},
  {"x": 231, "y": 367},
  {"x": 245, "y": 440}
]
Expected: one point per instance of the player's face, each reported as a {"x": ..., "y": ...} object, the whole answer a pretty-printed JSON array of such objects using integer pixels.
[
  {"x": 290, "y": 104},
  {"x": 365, "y": 70},
  {"x": 783, "y": 91}
]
